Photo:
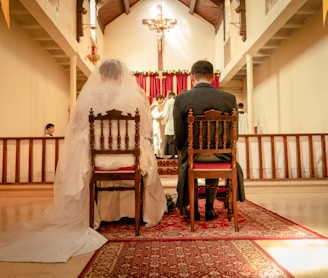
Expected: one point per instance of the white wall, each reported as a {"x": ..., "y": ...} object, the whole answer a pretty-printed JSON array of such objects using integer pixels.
[
  {"x": 34, "y": 88},
  {"x": 128, "y": 39},
  {"x": 291, "y": 87}
]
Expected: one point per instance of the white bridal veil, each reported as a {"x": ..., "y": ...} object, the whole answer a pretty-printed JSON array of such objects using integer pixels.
[{"x": 64, "y": 230}]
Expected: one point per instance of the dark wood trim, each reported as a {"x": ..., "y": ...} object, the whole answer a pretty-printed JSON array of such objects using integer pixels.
[
  {"x": 79, "y": 22},
  {"x": 241, "y": 9}
]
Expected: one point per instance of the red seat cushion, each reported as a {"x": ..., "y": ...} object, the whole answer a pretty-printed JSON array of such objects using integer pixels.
[{"x": 212, "y": 165}]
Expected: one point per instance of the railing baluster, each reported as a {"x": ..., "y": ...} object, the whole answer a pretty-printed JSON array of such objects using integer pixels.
[
  {"x": 257, "y": 158},
  {"x": 273, "y": 157},
  {"x": 311, "y": 156},
  {"x": 286, "y": 162},
  {"x": 17, "y": 162},
  {"x": 4, "y": 161},
  {"x": 248, "y": 173},
  {"x": 324, "y": 157},
  {"x": 298, "y": 157},
  {"x": 43, "y": 159},
  {"x": 56, "y": 153},
  {"x": 30, "y": 161},
  {"x": 260, "y": 157}
]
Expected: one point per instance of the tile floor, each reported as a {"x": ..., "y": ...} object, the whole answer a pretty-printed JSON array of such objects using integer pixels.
[{"x": 302, "y": 204}]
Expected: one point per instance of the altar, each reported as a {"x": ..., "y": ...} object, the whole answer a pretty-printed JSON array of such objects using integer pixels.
[{"x": 167, "y": 166}]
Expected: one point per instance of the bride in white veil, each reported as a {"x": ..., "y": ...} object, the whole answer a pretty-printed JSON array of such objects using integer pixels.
[{"x": 64, "y": 230}]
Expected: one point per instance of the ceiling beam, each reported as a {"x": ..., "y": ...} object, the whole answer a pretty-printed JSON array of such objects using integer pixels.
[
  {"x": 192, "y": 6},
  {"x": 126, "y": 6},
  {"x": 219, "y": 3},
  {"x": 218, "y": 21}
]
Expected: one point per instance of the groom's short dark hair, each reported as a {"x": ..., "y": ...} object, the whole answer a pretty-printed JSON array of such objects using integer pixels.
[{"x": 202, "y": 68}]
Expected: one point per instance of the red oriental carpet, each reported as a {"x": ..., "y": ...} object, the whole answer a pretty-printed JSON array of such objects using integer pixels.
[
  {"x": 192, "y": 258},
  {"x": 255, "y": 223},
  {"x": 214, "y": 250}
]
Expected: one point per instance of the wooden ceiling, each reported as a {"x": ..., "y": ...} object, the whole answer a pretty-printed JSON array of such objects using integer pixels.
[{"x": 210, "y": 10}]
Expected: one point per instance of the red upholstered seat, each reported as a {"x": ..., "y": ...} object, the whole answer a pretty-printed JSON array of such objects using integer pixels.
[
  {"x": 202, "y": 190},
  {"x": 212, "y": 165}
]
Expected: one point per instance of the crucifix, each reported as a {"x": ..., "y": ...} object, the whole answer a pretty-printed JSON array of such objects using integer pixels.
[
  {"x": 160, "y": 77},
  {"x": 160, "y": 25}
]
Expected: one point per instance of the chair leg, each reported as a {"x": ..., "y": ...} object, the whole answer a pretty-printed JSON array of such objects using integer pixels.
[
  {"x": 91, "y": 204},
  {"x": 137, "y": 209},
  {"x": 138, "y": 203},
  {"x": 234, "y": 203},
  {"x": 191, "y": 188},
  {"x": 230, "y": 200},
  {"x": 227, "y": 195}
]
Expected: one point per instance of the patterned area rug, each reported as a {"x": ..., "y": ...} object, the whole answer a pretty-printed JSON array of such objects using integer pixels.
[
  {"x": 255, "y": 223},
  {"x": 197, "y": 258}
]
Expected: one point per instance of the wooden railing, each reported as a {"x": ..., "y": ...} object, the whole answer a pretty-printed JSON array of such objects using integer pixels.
[
  {"x": 30, "y": 160},
  {"x": 283, "y": 156},
  {"x": 33, "y": 160}
]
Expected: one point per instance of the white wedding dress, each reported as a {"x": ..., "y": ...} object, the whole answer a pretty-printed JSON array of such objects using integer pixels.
[{"x": 63, "y": 231}]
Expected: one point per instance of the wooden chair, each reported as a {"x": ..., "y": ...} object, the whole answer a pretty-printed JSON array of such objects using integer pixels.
[
  {"x": 111, "y": 135},
  {"x": 213, "y": 132}
]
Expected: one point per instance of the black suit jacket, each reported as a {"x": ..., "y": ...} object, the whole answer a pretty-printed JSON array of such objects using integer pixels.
[{"x": 201, "y": 98}]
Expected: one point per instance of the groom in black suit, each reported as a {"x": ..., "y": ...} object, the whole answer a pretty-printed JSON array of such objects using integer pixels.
[{"x": 202, "y": 97}]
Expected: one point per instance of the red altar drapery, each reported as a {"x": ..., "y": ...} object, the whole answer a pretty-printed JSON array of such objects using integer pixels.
[
  {"x": 167, "y": 83},
  {"x": 142, "y": 80}
]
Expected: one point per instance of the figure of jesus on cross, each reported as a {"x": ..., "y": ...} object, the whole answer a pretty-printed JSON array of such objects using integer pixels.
[{"x": 160, "y": 50}]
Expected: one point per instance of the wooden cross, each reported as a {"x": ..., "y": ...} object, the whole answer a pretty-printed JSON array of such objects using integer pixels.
[{"x": 160, "y": 77}]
